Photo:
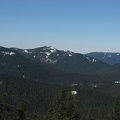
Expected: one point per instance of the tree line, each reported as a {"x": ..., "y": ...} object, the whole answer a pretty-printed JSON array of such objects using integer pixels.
[{"x": 63, "y": 107}]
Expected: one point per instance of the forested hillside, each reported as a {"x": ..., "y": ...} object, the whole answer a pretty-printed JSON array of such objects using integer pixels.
[
  {"x": 34, "y": 90},
  {"x": 44, "y": 100},
  {"x": 14, "y": 64}
]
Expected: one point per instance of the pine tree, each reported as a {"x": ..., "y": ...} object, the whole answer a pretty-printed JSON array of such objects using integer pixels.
[
  {"x": 99, "y": 117},
  {"x": 3, "y": 112},
  {"x": 71, "y": 110},
  {"x": 22, "y": 109},
  {"x": 63, "y": 108},
  {"x": 58, "y": 108},
  {"x": 35, "y": 115},
  {"x": 115, "y": 114}
]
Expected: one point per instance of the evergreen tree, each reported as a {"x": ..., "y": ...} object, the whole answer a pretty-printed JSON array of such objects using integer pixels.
[
  {"x": 115, "y": 114},
  {"x": 99, "y": 117},
  {"x": 71, "y": 110},
  {"x": 63, "y": 108},
  {"x": 57, "y": 110},
  {"x": 3, "y": 112},
  {"x": 88, "y": 114},
  {"x": 35, "y": 115},
  {"x": 21, "y": 110}
]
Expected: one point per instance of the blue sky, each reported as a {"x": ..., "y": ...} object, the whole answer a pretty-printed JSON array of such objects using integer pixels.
[{"x": 78, "y": 25}]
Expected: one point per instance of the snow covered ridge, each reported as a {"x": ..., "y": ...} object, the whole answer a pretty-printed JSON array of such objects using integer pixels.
[
  {"x": 52, "y": 55},
  {"x": 49, "y": 48},
  {"x": 8, "y": 53},
  {"x": 45, "y": 53}
]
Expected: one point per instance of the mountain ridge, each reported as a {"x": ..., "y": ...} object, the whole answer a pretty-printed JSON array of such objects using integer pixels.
[
  {"x": 107, "y": 57},
  {"x": 67, "y": 60},
  {"x": 20, "y": 66}
]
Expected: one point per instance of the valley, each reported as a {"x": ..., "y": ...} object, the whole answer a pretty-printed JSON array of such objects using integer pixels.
[{"x": 39, "y": 75}]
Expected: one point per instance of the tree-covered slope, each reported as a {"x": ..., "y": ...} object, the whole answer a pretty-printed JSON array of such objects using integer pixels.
[
  {"x": 67, "y": 60},
  {"x": 38, "y": 96},
  {"x": 13, "y": 63},
  {"x": 112, "y": 71}
]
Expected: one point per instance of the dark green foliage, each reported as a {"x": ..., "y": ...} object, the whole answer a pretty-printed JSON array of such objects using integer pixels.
[
  {"x": 35, "y": 115},
  {"x": 115, "y": 113},
  {"x": 19, "y": 66},
  {"x": 37, "y": 93},
  {"x": 21, "y": 109},
  {"x": 28, "y": 89},
  {"x": 71, "y": 107},
  {"x": 112, "y": 71},
  {"x": 63, "y": 108},
  {"x": 57, "y": 109}
]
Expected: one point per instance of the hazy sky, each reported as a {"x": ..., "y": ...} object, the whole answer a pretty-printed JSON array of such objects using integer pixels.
[{"x": 78, "y": 25}]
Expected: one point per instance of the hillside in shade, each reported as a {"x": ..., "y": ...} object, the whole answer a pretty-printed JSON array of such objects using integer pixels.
[
  {"x": 37, "y": 77},
  {"x": 66, "y": 60}
]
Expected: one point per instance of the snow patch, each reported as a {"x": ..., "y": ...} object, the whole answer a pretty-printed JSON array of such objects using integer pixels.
[
  {"x": 8, "y": 53},
  {"x": 88, "y": 59},
  {"x": 46, "y": 57},
  {"x": 26, "y": 51},
  {"x": 94, "y": 60},
  {"x": 117, "y": 82},
  {"x": 94, "y": 85},
  {"x": 53, "y": 50},
  {"x": 48, "y": 53},
  {"x": 70, "y": 55},
  {"x": 74, "y": 92},
  {"x": 12, "y": 53}
]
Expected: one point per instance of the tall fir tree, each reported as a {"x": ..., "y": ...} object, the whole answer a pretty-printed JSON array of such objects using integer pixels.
[
  {"x": 115, "y": 114},
  {"x": 63, "y": 108}
]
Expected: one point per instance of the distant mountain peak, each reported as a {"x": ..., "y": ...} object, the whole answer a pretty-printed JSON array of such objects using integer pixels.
[{"x": 107, "y": 57}]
